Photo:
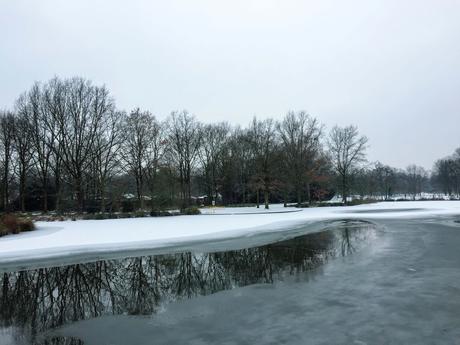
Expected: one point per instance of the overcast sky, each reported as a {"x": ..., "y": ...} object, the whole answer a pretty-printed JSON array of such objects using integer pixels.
[{"x": 391, "y": 67}]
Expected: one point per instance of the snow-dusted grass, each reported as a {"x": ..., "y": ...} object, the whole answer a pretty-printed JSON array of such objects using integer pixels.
[{"x": 78, "y": 238}]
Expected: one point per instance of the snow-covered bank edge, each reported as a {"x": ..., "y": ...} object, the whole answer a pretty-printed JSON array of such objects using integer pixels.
[
  {"x": 82, "y": 241},
  {"x": 228, "y": 240}
]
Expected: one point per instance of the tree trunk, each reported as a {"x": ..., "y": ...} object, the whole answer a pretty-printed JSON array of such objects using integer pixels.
[
  {"x": 5, "y": 188},
  {"x": 79, "y": 192},
  {"x": 189, "y": 192},
  {"x": 45, "y": 201},
  {"x": 257, "y": 198},
  {"x": 266, "y": 198},
  {"x": 344, "y": 189},
  {"x": 152, "y": 195},
  {"x": 22, "y": 187},
  {"x": 183, "y": 189},
  {"x": 140, "y": 186},
  {"x": 23, "y": 192},
  {"x": 102, "y": 189},
  {"x": 45, "y": 195},
  {"x": 299, "y": 195},
  {"x": 57, "y": 183}
]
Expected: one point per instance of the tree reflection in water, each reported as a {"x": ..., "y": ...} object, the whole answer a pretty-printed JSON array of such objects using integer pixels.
[{"x": 38, "y": 300}]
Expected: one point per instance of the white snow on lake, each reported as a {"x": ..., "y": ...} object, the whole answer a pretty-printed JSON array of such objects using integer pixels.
[{"x": 63, "y": 239}]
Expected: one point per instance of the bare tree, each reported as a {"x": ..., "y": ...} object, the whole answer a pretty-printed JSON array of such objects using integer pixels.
[
  {"x": 184, "y": 141},
  {"x": 6, "y": 149},
  {"x": 416, "y": 177},
  {"x": 447, "y": 174},
  {"x": 236, "y": 161},
  {"x": 105, "y": 156},
  {"x": 347, "y": 149},
  {"x": 263, "y": 142},
  {"x": 54, "y": 109},
  {"x": 300, "y": 136},
  {"x": 155, "y": 153},
  {"x": 139, "y": 131},
  {"x": 33, "y": 106},
  {"x": 22, "y": 142},
  {"x": 215, "y": 138},
  {"x": 79, "y": 117}
]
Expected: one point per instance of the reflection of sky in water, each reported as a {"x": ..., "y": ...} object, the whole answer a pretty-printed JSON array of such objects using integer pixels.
[{"x": 38, "y": 300}]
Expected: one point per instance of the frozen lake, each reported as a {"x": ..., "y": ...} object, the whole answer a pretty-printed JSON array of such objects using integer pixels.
[{"x": 385, "y": 281}]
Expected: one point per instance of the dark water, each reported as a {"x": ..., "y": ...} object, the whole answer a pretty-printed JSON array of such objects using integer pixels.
[{"x": 36, "y": 301}]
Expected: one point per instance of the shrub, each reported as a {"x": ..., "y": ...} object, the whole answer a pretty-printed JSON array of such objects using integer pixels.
[
  {"x": 10, "y": 222},
  {"x": 192, "y": 211},
  {"x": 303, "y": 205},
  {"x": 159, "y": 213},
  {"x": 3, "y": 230},
  {"x": 92, "y": 208},
  {"x": 355, "y": 202},
  {"x": 95, "y": 216},
  {"x": 26, "y": 225},
  {"x": 139, "y": 214},
  {"x": 329, "y": 204},
  {"x": 100, "y": 216},
  {"x": 127, "y": 206},
  {"x": 124, "y": 215}
]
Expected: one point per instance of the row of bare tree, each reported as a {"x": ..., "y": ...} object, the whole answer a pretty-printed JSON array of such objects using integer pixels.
[
  {"x": 381, "y": 181},
  {"x": 67, "y": 147},
  {"x": 447, "y": 174}
]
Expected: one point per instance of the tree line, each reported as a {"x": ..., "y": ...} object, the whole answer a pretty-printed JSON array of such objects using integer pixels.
[
  {"x": 383, "y": 182},
  {"x": 66, "y": 146}
]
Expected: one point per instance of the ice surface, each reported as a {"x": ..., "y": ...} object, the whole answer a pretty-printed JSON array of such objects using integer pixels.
[{"x": 404, "y": 290}]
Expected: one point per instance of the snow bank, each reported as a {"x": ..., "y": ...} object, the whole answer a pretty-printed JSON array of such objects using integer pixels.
[{"x": 79, "y": 238}]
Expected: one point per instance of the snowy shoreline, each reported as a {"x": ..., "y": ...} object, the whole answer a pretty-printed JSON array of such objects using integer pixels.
[{"x": 96, "y": 238}]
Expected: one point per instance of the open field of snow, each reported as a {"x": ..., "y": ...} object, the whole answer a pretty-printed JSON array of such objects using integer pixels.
[{"x": 97, "y": 238}]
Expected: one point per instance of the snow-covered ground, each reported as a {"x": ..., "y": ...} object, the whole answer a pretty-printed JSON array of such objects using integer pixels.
[{"x": 54, "y": 240}]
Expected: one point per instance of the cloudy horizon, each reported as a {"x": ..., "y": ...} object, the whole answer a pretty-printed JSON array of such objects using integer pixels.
[{"x": 391, "y": 68}]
